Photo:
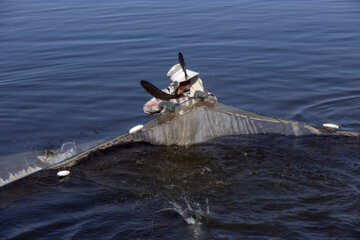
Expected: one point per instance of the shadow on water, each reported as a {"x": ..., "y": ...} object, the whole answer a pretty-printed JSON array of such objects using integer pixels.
[{"x": 261, "y": 186}]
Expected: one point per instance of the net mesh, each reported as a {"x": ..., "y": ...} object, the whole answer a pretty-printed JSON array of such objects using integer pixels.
[
  {"x": 193, "y": 122},
  {"x": 199, "y": 121}
]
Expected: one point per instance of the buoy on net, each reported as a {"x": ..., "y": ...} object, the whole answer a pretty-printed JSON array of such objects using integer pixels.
[
  {"x": 330, "y": 126},
  {"x": 63, "y": 173},
  {"x": 136, "y": 128}
]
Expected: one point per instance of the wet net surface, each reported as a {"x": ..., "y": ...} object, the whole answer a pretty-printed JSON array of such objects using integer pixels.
[
  {"x": 191, "y": 123},
  {"x": 199, "y": 121},
  {"x": 205, "y": 120}
]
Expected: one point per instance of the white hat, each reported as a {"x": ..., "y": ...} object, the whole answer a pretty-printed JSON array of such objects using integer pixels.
[{"x": 176, "y": 74}]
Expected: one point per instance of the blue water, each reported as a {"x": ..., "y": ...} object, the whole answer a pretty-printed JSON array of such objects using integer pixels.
[{"x": 70, "y": 72}]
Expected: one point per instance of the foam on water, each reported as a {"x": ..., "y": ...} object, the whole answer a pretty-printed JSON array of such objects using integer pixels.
[{"x": 18, "y": 175}]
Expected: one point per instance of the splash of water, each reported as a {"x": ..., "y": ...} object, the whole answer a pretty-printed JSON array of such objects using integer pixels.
[
  {"x": 192, "y": 212},
  {"x": 67, "y": 150}
]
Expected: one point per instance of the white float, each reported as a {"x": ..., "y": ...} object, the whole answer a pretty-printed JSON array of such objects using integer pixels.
[
  {"x": 330, "y": 126},
  {"x": 63, "y": 173},
  {"x": 136, "y": 128}
]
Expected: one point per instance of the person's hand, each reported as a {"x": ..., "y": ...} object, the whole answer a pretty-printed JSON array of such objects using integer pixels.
[
  {"x": 199, "y": 94},
  {"x": 169, "y": 106}
]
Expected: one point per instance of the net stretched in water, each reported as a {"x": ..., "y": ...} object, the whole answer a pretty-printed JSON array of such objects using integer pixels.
[
  {"x": 191, "y": 123},
  {"x": 199, "y": 121}
]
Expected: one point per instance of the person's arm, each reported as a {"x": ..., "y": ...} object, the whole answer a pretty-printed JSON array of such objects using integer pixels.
[
  {"x": 201, "y": 95},
  {"x": 210, "y": 95},
  {"x": 152, "y": 106}
]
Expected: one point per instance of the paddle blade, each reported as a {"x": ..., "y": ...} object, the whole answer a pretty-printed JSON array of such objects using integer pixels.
[
  {"x": 155, "y": 92},
  {"x": 182, "y": 64}
]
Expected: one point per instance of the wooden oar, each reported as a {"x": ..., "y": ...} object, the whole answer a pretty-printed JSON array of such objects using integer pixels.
[
  {"x": 182, "y": 64},
  {"x": 157, "y": 93}
]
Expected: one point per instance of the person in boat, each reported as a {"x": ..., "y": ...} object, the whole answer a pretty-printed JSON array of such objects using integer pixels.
[{"x": 190, "y": 87}]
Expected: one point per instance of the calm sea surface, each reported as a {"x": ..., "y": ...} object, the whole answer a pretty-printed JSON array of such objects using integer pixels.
[{"x": 70, "y": 72}]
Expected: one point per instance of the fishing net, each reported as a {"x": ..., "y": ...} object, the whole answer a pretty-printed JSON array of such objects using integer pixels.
[
  {"x": 193, "y": 122},
  {"x": 198, "y": 121}
]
